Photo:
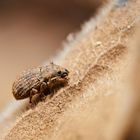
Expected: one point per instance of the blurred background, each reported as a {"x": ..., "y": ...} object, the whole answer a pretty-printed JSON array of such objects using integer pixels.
[{"x": 31, "y": 31}]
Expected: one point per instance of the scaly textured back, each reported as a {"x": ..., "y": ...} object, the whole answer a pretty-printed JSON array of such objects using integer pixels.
[{"x": 25, "y": 82}]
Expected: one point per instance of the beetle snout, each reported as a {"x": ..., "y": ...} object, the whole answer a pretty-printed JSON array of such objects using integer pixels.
[{"x": 64, "y": 73}]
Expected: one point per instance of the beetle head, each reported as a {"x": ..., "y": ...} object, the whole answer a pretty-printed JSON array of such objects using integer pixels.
[{"x": 58, "y": 76}]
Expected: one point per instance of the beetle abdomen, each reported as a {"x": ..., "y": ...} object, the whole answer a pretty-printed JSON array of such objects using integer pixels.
[{"x": 25, "y": 82}]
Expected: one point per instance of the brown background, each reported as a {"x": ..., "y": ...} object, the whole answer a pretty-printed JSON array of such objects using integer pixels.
[{"x": 32, "y": 31}]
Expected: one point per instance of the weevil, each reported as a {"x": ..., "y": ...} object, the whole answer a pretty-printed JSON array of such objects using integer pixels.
[{"x": 42, "y": 80}]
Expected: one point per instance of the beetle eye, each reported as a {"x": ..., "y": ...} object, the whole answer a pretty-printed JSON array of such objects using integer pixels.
[{"x": 59, "y": 72}]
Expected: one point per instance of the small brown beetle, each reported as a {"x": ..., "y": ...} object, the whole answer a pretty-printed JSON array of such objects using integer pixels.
[{"x": 41, "y": 80}]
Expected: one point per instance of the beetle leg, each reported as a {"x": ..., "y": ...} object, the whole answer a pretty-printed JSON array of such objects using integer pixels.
[
  {"x": 43, "y": 86},
  {"x": 53, "y": 79},
  {"x": 32, "y": 93},
  {"x": 51, "y": 93}
]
